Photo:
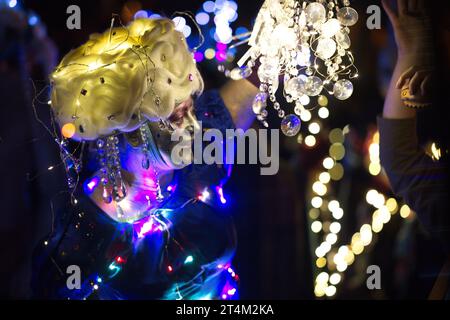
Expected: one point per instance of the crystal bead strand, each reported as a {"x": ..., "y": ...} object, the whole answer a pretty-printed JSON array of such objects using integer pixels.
[
  {"x": 114, "y": 168},
  {"x": 106, "y": 194},
  {"x": 145, "y": 135}
]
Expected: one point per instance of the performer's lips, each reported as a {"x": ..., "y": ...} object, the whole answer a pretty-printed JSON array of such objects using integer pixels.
[{"x": 180, "y": 111}]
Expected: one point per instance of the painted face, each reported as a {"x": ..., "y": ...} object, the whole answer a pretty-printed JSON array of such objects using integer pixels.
[
  {"x": 142, "y": 182},
  {"x": 161, "y": 144}
]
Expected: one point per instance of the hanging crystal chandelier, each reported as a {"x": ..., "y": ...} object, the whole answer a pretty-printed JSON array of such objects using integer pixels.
[{"x": 307, "y": 43}]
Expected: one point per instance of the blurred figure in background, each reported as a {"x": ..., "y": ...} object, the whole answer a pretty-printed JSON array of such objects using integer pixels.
[
  {"x": 420, "y": 179},
  {"x": 25, "y": 53}
]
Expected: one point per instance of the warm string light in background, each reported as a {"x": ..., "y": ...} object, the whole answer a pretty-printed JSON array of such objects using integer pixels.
[
  {"x": 374, "y": 165},
  {"x": 332, "y": 262}
]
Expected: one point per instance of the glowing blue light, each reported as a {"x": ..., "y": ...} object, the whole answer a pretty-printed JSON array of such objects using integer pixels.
[
  {"x": 209, "y": 6},
  {"x": 240, "y": 30},
  {"x": 220, "y": 4},
  {"x": 155, "y": 16},
  {"x": 202, "y": 18},
  {"x": 99, "y": 280},
  {"x": 114, "y": 268},
  {"x": 12, "y": 3},
  {"x": 32, "y": 20},
  {"x": 212, "y": 32},
  {"x": 141, "y": 14},
  {"x": 189, "y": 259}
]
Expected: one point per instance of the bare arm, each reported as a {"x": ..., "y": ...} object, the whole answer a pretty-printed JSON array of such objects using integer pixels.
[
  {"x": 414, "y": 55},
  {"x": 414, "y": 176},
  {"x": 238, "y": 97}
]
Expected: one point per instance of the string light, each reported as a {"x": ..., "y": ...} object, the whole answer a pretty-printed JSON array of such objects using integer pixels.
[
  {"x": 189, "y": 259},
  {"x": 323, "y": 113},
  {"x": 314, "y": 128},
  {"x": 346, "y": 254},
  {"x": 310, "y": 141},
  {"x": 405, "y": 211},
  {"x": 328, "y": 163},
  {"x": 316, "y": 226}
]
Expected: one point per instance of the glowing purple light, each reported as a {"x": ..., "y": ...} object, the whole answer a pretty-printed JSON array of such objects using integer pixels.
[
  {"x": 141, "y": 14},
  {"x": 198, "y": 56},
  {"x": 228, "y": 291},
  {"x": 202, "y": 18},
  {"x": 209, "y": 6},
  {"x": 221, "y": 46},
  {"x": 144, "y": 227}
]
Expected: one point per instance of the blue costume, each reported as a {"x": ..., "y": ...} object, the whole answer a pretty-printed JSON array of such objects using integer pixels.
[{"x": 182, "y": 251}]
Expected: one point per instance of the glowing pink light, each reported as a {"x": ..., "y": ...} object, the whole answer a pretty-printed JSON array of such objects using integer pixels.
[
  {"x": 198, "y": 56},
  {"x": 90, "y": 185},
  {"x": 150, "y": 182},
  {"x": 228, "y": 290},
  {"x": 220, "y": 192},
  {"x": 146, "y": 228},
  {"x": 221, "y": 55}
]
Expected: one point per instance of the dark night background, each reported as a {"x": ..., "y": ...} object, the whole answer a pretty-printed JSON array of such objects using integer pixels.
[{"x": 274, "y": 258}]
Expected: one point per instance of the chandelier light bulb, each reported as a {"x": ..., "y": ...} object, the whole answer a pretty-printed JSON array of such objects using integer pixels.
[{"x": 303, "y": 48}]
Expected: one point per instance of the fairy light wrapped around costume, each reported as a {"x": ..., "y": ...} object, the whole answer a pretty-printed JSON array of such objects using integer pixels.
[
  {"x": 115, "y": 90},
  {"x": 122, "y": 77}
]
